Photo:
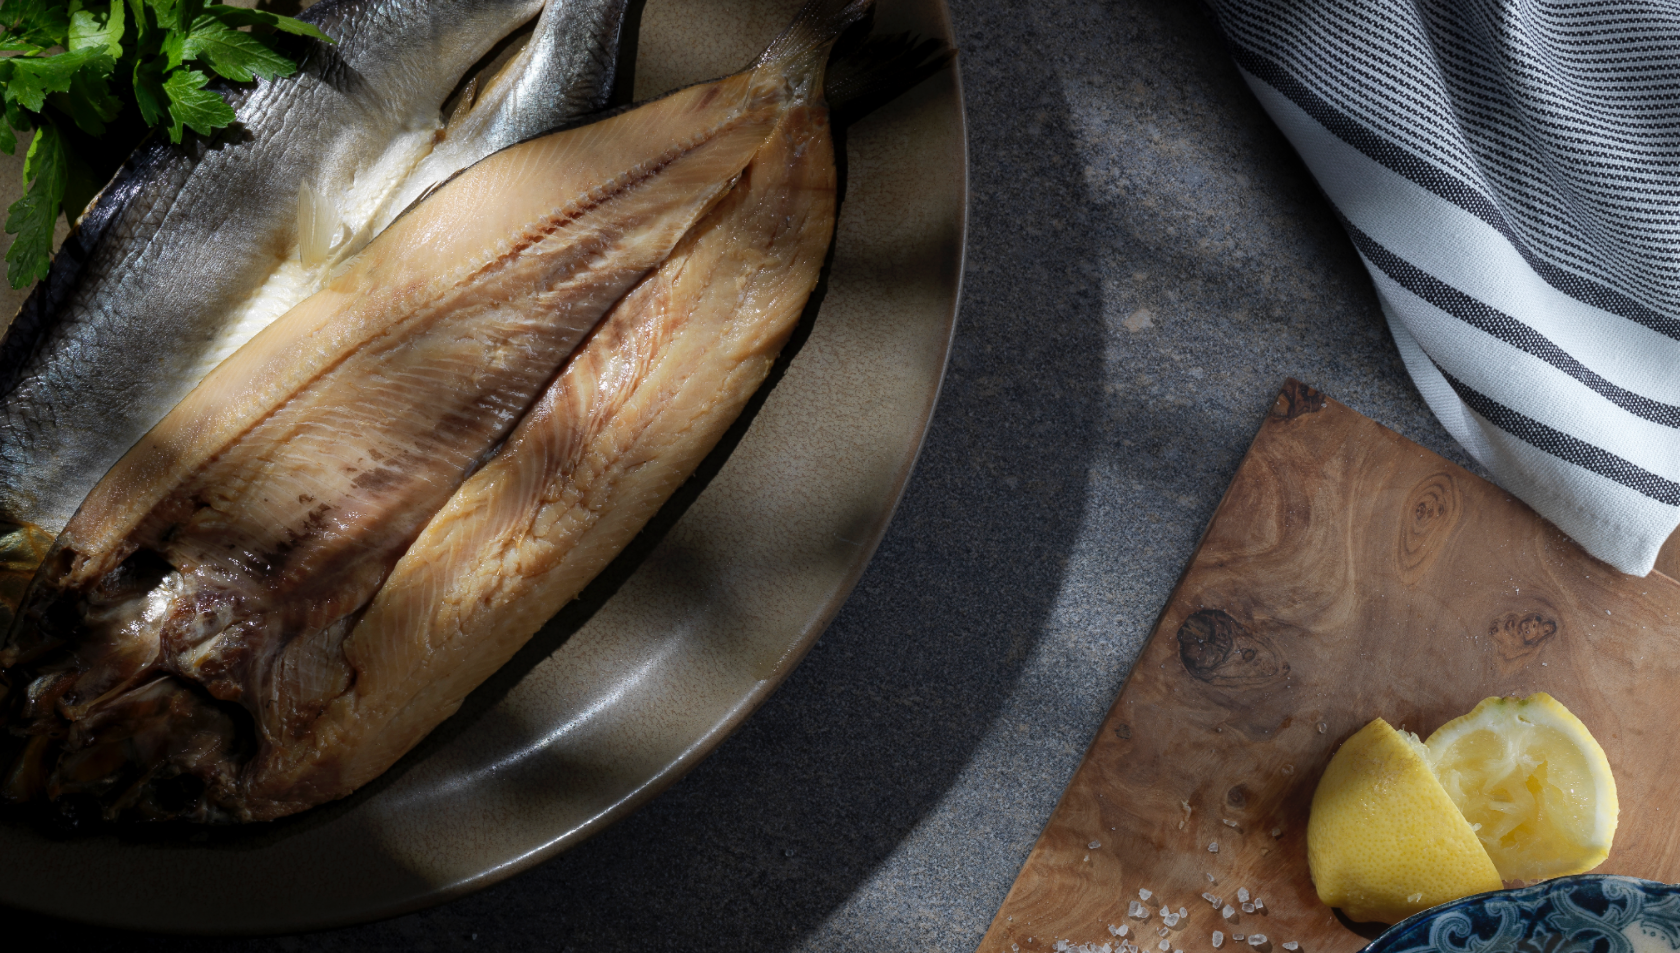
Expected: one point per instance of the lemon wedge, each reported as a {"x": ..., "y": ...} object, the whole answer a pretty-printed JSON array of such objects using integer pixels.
[
  {"x": 1532, "y": 783},
  {"x": 1384, "y": 840}
]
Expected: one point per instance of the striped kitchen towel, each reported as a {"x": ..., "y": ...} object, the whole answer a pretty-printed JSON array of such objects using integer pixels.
[{"x": 1509, "y": 171}]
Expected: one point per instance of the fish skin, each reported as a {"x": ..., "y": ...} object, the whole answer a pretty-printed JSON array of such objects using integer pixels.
[
  {"x": 144, "y": 297},
  {"x": 236, "y": 545},
  {"x": 566, "y": 70}
]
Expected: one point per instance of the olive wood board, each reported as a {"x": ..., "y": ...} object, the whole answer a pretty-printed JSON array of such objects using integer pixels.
[{"x": 1347, "y": 574}]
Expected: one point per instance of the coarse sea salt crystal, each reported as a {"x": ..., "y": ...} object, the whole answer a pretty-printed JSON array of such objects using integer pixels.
[
  {"x": 1210, "y": 878},
  {"x": 1120, "y": 930},
  {"x": 1237, "y": 936},
  {"x": 1095, "y": 844},
  {"x": 1228, "y": 912},
  {"x": 1259, "y": 904},
  {"x": 1292, "y": 946},
  {"x": 1218, "y": 939},
  {"x": 1165, "y": 910},
  {"x": 1144, "y": 894},
  {"x": 1182, "y": 913},
  {"x": 1160, "y": 931},
  {"x": 1213, "y": 847},
  {"x": 1229, "y": 822},
  {"x": 1137, "y": 911},
  {"x": 1242, "y": 894},
  {"x": 1163, "y": 946},
  {"x": 1248, "y": 908},
  {"x": 1257, "y": 939},
  {"x": 1210, "y": 898},
  {"x": 1170, "y": 919}
]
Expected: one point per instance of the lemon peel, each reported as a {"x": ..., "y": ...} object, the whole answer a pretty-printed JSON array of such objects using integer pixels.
[{"x": 1384, "y": 839}]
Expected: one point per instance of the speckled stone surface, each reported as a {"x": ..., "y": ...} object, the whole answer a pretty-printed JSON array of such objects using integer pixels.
[{"x": 1147, "y": 262}]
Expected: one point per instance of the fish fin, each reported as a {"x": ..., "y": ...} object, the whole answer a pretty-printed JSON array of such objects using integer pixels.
[
  {"x": 320, "y": 226},
  {"x": 818, "y": 24},
  {"x": 861, "y": 80},
  {"x": 469, "y": 98}
]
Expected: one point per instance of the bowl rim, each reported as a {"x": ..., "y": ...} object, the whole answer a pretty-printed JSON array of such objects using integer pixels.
[{"x": 1525, "y": 894}]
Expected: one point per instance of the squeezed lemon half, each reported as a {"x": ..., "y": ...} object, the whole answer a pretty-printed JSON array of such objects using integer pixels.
[
  {"x": 1533, "y": 784},
  {"x": 1515, "y": 790}
]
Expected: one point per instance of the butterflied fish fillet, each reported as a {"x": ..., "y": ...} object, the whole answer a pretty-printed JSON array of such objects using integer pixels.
[
  {"x": 225, "y": 578},
  {"x": 194, "y": 248},
  {"x": 631, "y": 416}
]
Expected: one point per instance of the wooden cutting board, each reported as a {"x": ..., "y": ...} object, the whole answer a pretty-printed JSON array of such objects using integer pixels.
[{"x": 1348, "y": 573}]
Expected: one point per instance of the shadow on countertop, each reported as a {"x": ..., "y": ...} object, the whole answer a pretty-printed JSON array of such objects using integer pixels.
[{"x": 808, "y": 804}]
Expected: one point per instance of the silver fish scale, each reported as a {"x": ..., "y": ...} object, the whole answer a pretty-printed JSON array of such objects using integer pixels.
[{"x": 183, "y": 234}]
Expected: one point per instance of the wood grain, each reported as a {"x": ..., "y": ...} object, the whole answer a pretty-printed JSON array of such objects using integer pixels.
[{"x": 1348, "y": 573}]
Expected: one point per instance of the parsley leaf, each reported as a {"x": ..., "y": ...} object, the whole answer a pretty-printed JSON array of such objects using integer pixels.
[
  {"x": 89, "y": 102},
  {"x": 235, "y": 55},
  {"x": 239, "y": 16},
  {"x": 41, "y": 22},
  {"x": 149, "y": 95},
  {"x": 32, "y": 217},
  {"x": 34, "y": 77},
  {"x": 193, "y": 106},
  {"x": 89, "y": 28},
  {"x": 186, "y": 13}
]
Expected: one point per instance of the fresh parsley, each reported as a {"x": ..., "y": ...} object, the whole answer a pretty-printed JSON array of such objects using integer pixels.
[{"x": 88, "y": 79}]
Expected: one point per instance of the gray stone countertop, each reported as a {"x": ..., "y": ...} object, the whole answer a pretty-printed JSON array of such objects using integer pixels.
[{"x": 1147, "y": 262}]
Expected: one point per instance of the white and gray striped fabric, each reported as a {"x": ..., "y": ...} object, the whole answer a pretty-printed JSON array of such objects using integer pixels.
[{"x": 1509, "y": 171}]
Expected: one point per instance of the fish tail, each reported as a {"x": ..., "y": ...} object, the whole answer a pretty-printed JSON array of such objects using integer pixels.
[
  {"x": 813, "y": 30},
  {"x": 861, "y": 79}
]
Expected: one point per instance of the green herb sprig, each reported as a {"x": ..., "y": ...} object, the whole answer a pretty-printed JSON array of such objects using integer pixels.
[{"x": 89, "y": 79}]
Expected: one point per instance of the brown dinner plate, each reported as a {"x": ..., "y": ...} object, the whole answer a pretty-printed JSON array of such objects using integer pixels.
[{"x": 683, "y": 636}]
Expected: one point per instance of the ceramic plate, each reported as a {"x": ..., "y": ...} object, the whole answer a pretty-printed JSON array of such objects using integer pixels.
[
  {"x": 681, "y": 638},
  {"x": 1592, "y": 913}
]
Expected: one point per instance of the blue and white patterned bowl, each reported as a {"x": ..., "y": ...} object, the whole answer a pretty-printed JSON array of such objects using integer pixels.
[{"x": 1590, "y": 913}]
